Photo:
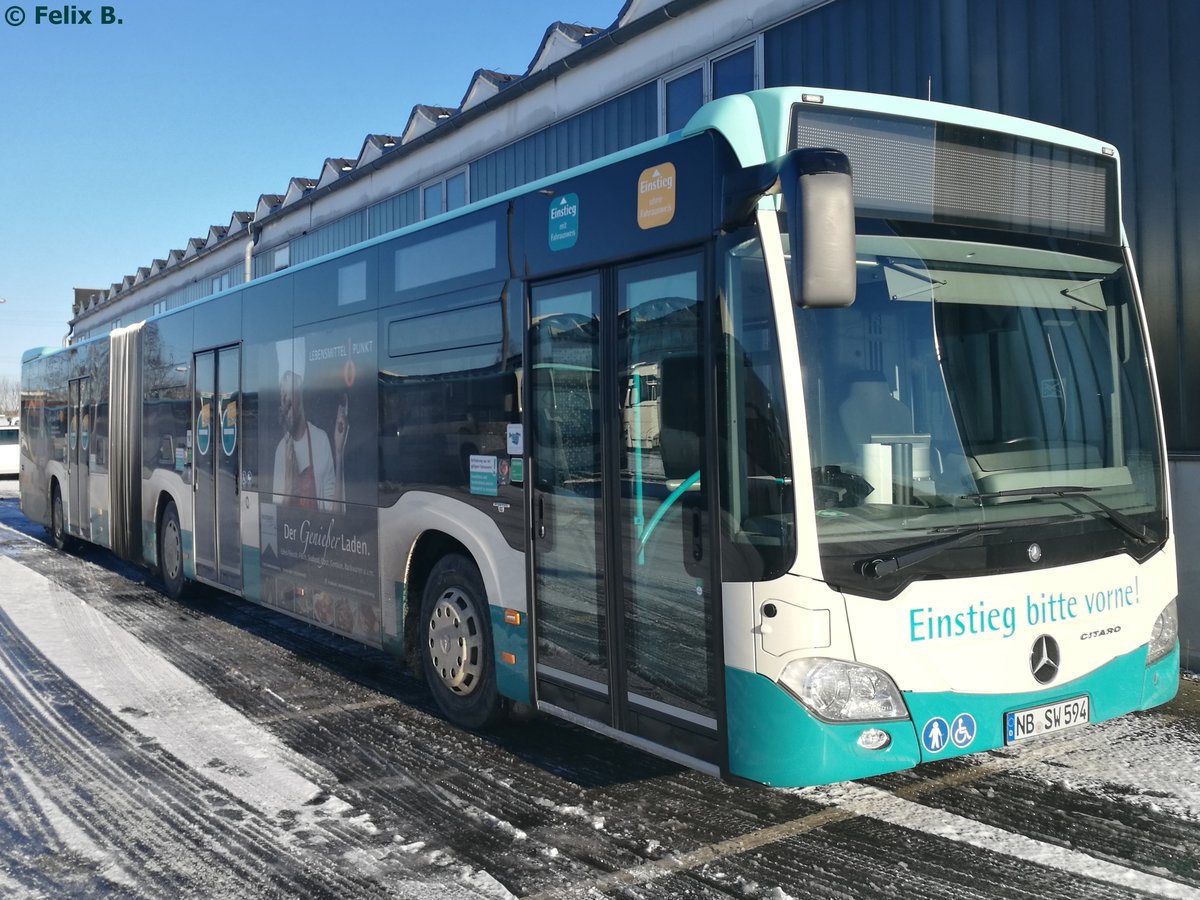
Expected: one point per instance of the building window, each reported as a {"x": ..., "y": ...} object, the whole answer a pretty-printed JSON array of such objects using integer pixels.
[
  {"x": 431, "y": 200},
  {"x": 160, "y": 306},
  {"x": 682, "y": 97},
  {"x": 733, "y": 74},
  {"x": 224, "y": 281},
  {"x": 281, "y": 259},
  {"x": 456, "y": 190},
  {"x": 685, "y": 90},
  {"x": 444, "y": 195}
]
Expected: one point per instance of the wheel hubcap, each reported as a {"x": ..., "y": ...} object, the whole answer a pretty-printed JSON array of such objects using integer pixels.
[
  {"x": 171, "y": 552},
  {"x": 456, "y": 641}
]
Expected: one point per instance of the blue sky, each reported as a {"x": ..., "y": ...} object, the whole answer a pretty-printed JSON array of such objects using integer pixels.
[{"x": 120, "y": 142}]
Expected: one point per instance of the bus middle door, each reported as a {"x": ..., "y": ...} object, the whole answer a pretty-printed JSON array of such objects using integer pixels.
[{"x": 215, "y": 411}]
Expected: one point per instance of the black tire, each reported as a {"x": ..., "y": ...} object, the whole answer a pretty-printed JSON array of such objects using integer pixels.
[
  {"x": 58, "y": 524},
  {"x": 455, "y": 643},
  {"x": 170, "y": 552}
]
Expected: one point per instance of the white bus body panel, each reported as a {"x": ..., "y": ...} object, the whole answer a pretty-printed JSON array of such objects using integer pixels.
[{"x": 417, "y": 512}]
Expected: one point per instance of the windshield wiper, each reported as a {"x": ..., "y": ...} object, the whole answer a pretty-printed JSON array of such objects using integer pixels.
[
  {"x": 1069, "y": 293},
  {"x": 1136, "y": 531},
  {"x": 879, "y": 566}
]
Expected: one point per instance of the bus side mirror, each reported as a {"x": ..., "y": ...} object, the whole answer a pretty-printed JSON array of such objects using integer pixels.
[{"x": 819, "y": 198}]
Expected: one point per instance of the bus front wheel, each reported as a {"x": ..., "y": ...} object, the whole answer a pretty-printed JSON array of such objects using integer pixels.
[
  {"x": 170, "y": 552},
  {"x": 456, "y": 644}
]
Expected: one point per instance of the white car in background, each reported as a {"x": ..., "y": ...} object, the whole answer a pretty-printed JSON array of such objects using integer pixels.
[{"x": 10, "y": 450}]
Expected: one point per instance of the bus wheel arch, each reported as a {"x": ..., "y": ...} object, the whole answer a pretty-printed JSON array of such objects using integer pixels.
[{"x": 449, "y": 621}]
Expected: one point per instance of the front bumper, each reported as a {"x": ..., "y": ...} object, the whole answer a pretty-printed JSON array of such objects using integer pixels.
[{"x": 775, "y": 741}]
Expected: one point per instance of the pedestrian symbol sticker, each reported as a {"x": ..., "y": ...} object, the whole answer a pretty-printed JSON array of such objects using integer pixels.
[
  {"x": 934, "y": 734},
  {"x": 962, "y": 730}
]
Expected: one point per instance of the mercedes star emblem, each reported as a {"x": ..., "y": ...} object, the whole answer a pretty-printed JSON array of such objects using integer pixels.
[
  {"x": 1043, "y": 661},
  {"x": 1035, "y": 552}
]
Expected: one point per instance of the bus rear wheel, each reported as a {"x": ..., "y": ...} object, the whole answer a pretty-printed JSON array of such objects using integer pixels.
[
  {"x": 170, "y": 552},
  {"x": 58, "y": 523},
  {"x": 456, "y": 644}
]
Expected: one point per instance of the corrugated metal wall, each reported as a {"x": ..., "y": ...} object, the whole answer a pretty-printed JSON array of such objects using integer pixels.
[
  {"x": 1126, "y": 71},
  {"x": 621, "y": 122}
]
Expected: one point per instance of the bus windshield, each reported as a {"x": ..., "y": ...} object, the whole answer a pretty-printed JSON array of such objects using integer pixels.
[{"x": 976, "y": 397}]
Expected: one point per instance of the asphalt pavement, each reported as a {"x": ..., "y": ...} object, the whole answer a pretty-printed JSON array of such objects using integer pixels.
[{"x": 213, "y": 748}]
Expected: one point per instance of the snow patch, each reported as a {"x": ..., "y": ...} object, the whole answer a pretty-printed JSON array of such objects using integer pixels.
[
  {"x": 156, "y": 699},
  {"x": 875, "y": 803},
  {"x": 71, "y": 834}
]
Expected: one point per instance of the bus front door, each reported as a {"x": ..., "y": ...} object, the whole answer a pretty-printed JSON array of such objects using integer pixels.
[
  {"x": 624, "y": 578},
  {"x": 217, "y": 534},
  {"x": 79, "y": 518}
]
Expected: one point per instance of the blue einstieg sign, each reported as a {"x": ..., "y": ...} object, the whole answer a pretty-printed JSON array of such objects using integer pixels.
[{"x": 564, "y": 222}]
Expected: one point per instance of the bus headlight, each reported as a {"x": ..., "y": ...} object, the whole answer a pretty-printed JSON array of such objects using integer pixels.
[
  {"x": 1165, "y": 633},
  {"x": 841, "y": 691}
]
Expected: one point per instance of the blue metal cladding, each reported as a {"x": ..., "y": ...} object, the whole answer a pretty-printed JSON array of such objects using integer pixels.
[
  {"x": 621, "y": 122},
  {"x": 394, "y": 212},
  {"x": 1125, "y": 71},
  {"x": 345, "y": 232}
]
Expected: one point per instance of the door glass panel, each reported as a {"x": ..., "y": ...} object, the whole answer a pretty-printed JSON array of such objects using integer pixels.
[
  {"x": 207, "y": 444},
  {"x": 667, "y": 603},
  {"x": 226, "y": 437},
  {"x": 77, "y": 501},
  {"x": 566, "y": 457}
]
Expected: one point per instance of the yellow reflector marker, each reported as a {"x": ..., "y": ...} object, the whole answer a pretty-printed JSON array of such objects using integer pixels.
[
  {"x": 508, "y": 658},
  {"x": 512, "y": 617}
]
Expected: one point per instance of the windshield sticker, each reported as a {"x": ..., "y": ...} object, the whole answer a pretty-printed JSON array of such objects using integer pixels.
[
  {"x": 1052, "y": 389},
  {"x": 564, "y": 222},
  {"x": 485, "y": 475},
  {"x": 656, "y": 196}
]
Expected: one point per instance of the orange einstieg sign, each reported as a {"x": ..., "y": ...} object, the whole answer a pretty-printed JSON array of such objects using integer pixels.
[{"x": 656, "y": 196}]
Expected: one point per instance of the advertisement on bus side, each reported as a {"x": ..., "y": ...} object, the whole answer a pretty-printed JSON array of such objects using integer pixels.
[{"x": 318, "y": 472}]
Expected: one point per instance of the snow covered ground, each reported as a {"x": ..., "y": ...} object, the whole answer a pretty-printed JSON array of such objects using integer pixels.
[{"x": 210, "y": 748}]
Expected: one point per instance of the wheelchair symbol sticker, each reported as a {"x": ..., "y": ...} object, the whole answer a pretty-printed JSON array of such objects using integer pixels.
[
  {"x": 934, "y": 734},
  {"x": 962, "y": 730}
]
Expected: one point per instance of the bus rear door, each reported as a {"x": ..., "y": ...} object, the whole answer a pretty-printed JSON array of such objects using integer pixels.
[{"x": 79, "y": 519}]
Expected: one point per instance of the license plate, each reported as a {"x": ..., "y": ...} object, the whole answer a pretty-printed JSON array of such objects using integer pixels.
[{"x": 1038, "y": 720}]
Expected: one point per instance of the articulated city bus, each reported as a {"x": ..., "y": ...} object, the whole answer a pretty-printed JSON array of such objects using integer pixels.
[{"x": 814, "y": 441}]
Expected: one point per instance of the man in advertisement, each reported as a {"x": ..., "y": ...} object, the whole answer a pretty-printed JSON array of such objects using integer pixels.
[
  {"x": 308, "y": 468},
  {"x": 318, "y": 531}
]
